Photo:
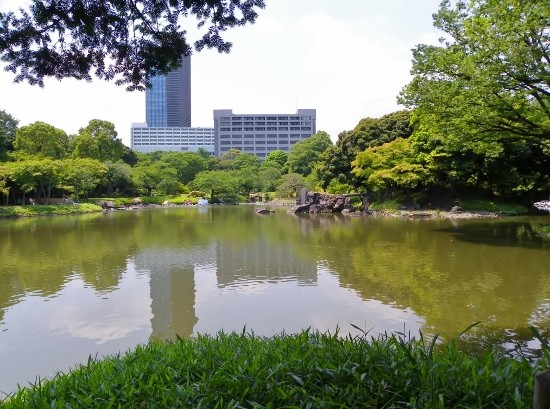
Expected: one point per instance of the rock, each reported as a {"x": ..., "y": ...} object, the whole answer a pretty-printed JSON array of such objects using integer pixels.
[
  {"x": 264, "y": 211},
  {"x": 107, "y": 204},
  {"x": 136, "y": 201},
  {"x": 456, "y": 209}
]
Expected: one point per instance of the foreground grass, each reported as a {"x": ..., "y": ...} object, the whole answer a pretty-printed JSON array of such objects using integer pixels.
[
  {"x": 47, "y": 210},
  {"x": 289, "y": 371}
]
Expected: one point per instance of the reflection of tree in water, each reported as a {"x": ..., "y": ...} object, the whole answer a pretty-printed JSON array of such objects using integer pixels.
[{"x": 448, "y": 282}]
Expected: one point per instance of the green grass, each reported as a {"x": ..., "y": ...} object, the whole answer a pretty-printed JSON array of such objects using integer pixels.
[
  {"x": 390, "y": 206},
  {"x": 493, "y": 206},
  {"x": 47, "y": 210},
  {"x": 305, "y": 370}
]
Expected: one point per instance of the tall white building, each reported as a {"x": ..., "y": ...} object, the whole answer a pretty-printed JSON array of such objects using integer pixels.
[{"x": 260, "y": 134}]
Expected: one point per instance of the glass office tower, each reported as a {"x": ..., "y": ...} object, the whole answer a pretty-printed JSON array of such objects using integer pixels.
[{"x": 168, "y": 101}]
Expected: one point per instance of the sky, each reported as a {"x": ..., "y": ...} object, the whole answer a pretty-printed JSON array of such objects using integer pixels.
[{"x": 346, "y": 59}]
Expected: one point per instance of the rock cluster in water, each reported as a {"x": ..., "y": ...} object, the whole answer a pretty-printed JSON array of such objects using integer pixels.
[{"x": 315, "y": 202}]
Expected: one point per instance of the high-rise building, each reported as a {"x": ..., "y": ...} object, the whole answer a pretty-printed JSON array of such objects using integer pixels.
[
  {"x": 261, "y": 134},
  {"x": 168, "y": 101}
]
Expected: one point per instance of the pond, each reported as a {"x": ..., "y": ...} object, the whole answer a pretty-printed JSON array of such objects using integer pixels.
[{"x": 78, "y": 286}]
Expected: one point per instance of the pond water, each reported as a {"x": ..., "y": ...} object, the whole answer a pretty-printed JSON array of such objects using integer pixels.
[{"x": 91, "y": 285}]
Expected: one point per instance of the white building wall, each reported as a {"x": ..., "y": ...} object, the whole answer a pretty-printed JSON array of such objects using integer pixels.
[
  {"x": 147, "y": 139},
  {"x": 260, "y": 134}
]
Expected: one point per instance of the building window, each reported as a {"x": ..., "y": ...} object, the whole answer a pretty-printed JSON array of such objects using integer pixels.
[
  {"x": 248, "y": 128},
  {"x": 271, "y": 128},
  {"x": 239, "y": 129},
  {"x": 225, "y": 129},
  {"x": 225, "y": 118},
  {"x": 282, "y": 118},
  {"x": 283, "y": 128},
  {"x": 249, "y": 149},
  {"x": 249, "y": 136},
  {"x": 306, "y": 128},
  {"x": 248, "y": 118},
  {"x": 272, "y": 135},
  {"x": 260, "y": 118},
  {"x": 306, "y": 117},
  {"x": 260, "y": 128}
]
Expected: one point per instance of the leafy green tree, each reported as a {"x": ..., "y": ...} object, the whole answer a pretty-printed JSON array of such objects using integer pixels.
[
  {"x": 186, "y": 164},
  {"x": 391, "y": 167},
  {"x": 147, "y": 177},
  {"x": 482, "y": 97},
  {"x": 270, "y": 177},
  {"x": 305, "y": 154},
  {"x": 4, "y": 187},
  {"x": 38, "y": 174},
  {"x": 8, "y": 126},
  {"x": 334, "y": 165},
  {"x": 278, "y": 157},
  {"x": 121, "y": 40},
  {"x": 248, "y": 180},
  {"x": 490, "y": 75},
  {"x": 83, "y": 174},
  {"x": 235, "y": 159},
  {"x": 118, "y": 177},
  {"x": 40, "y": 138},
  {"x": 98, "y": 140},
  {"x": 218, "y": 182},
  {"x": 291, "y": 185}
]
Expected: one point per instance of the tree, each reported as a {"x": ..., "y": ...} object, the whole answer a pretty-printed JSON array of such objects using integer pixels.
[
  {"x": 278, "y": 157},
  {"x": 39, "y": 174},
  {"x": 490, "y": 77},
  {"x": 483, "y": 96},
  {"x": 390, "y": 167},
  {"x": 220, "y": 183},
  {"x": 122, "y": 40},
  {"x": 186, "y": 164},
  {"x": 147, "y": 177},
  {"x": 83, "y": 174},
  {"x": 98, "y": 140},
  {"x": 42, "y": 139},
  {"x": 335, "y": 163},
  {"x": 292, "y": 183},
  {"x": 118, "y": 177},
  {"x": 4, "y": 188},
  {"x": 304, "y": 154},
  {"x": 8, "y": 126}
]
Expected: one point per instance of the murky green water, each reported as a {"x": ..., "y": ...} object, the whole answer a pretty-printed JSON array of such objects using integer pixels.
[{"x": 71, "y": 287}]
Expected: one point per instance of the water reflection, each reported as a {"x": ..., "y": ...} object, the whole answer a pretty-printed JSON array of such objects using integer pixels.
[{"x": 99, "y": 284}]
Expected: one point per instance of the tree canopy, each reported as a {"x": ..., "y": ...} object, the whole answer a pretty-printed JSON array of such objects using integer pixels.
[
  {"x": 122, "y": 40},
  {"x": 490, "y": 77}
]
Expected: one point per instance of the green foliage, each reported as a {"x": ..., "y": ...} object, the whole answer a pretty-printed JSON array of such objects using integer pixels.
[
  {"x": 292, "y": 183},
  {"x": 388, "y": 205},
  {"x": 301, "y": 370},
  {"x": 390, "y": 166},
  {"x": 8, "y": 127},
  {"x": 305, "y": 154},
  {"x": 482, "y": 106},
  {"x": 492, "y": 206},
  {"x": 277, "y": 157},
  {"x": 113, "y": 39},
  {"x": 335, "y": 162},
  {"x": 98, "y": 140},
  {"x": 83, "y": 175},
  {"x": 42, "y": 139}
]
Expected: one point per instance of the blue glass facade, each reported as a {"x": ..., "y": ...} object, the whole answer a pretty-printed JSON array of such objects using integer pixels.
[{"x": 168, "y": 101}]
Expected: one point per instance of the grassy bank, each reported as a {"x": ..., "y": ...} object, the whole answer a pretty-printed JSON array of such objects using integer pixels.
[
  {"x": 291, "y": 371},
  {"x": 466, "y": 205},
  {"x": 47, "y": 210}
]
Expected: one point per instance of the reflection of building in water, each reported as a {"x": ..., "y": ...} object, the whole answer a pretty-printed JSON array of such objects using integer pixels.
[
  {"x": 262, "y": 260},
  {"x": 172, "y": 288}
]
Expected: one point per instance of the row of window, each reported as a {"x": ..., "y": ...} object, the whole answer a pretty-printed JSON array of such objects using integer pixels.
[
  {"x": 269, "y": 128},
  {"x": 285, "y": 142},
  {"x": 263, "y": 118},
  {"x": 263, "y": 136},
  {"x": 169, "y": 144},
  {"x": 264, "y": 123},
  {"x": 250, "y": 149}
]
